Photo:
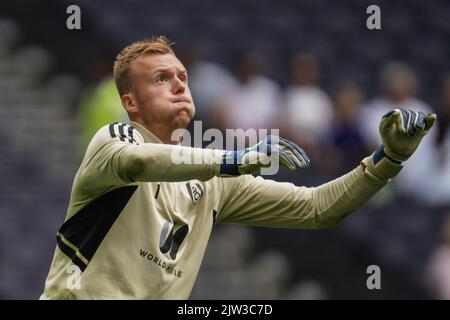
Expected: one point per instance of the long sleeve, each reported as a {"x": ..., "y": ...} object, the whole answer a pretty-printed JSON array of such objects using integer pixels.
[
  {"x": 113, "y": 161},
  {"x": 261, "y": 202},
  {"x": 161, "y": 162}
]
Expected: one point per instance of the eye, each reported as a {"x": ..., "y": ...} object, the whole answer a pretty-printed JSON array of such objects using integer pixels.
[
  {"x": 182, "y": 78},
  {"x": 162, "y": 78}
]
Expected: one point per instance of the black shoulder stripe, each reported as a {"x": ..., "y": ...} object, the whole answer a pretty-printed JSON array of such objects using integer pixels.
[
  {"x": 121, "y": 134},
  {"x": 81, "y": 235},
  {"x": 130, "y": 134},
  {"x": 122, "y": 131},
  {"x": 111, "y": 130}
]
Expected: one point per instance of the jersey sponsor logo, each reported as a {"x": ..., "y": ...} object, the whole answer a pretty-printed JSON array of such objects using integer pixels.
[
  {"x": 122, "y": 131},
  {"x": 170, "y": 240},
  {"x": 195, "y": 191},
  {"x": 158, "y": 261}
]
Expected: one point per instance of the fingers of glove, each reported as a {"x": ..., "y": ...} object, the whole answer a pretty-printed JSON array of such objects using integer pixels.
[
  {"x": 260, "y": 146},
  {"x": 286, "y": 160},
  {"x": 408, "y": 121},
  {"x": 387, "y": 115},
  {"x": 412, "y": 118},
  {"x": 430, "y": 118},
  {"x": 404, "y": 119},
  {"x": 297, "y": 152},
  {"x": 420, "y": 121},
  {"x": 396, "y": 116},
  {"x": 298, "y": 161},
  {"x": 292, "y": 152},
  {"x": 266, "y": 144}
]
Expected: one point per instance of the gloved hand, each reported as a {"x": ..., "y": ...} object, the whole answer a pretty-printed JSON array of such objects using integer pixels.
[
  {"x": 252, "y": 160},
  {"x": 401, "y": 131}
]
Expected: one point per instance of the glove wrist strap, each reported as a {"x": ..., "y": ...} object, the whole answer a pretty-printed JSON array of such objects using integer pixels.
[
  {"x": 380, "y": 154},
  {"x": 229, "y": 165}
]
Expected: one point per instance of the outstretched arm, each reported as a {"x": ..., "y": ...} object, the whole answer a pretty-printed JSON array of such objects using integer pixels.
[
  {"x": 118, "y": 155},
  {"x": 268, "y": 203},
  {"x": 263, "y": 202},
  {"x": 114, "y": 159}
]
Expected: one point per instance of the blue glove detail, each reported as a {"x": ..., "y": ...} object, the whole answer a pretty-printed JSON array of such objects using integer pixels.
[{"x": 251, "y": 160}]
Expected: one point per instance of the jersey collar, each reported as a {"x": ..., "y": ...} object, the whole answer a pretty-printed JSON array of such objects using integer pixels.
[{"x": 147, "y": 135}]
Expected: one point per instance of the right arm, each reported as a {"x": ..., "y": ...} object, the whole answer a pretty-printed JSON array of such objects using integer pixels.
[
  {"x": 156, "y": 162},
  {"x": 112, "y": 162}
]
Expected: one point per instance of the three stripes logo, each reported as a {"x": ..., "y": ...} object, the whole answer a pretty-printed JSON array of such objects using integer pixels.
[
  {"x": 170, "y": 240},
  {"x": 122, "y": 131}
]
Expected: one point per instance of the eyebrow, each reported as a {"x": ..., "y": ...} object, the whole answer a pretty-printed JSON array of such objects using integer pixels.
[{"x": 163, "y": 69}]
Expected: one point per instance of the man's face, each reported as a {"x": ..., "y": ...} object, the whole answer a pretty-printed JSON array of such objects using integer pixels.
[{"x": 160, "y": 88}]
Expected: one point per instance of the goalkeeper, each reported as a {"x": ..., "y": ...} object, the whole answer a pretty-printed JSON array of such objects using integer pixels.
[{"x": 138, "y": 224}]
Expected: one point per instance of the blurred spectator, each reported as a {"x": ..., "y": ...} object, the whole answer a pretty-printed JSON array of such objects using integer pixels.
[
  {"x": 346, "y": 136},
  {"x": 255, "y": 102},
  {"x": 399, "y": 86},
  {"x": 439, "y": 267},
  {"x": 242, "y": 271},
  {"x": 307, "y": 290},
  {"x": 444, "y": 112},
  {"x": 208, "y": 82},
  {"x": 9, "y": 36},
  {"x": 97, "y": 108},
  {"x": 308, "y": 108},
  {"x": 439, "y": 172}
]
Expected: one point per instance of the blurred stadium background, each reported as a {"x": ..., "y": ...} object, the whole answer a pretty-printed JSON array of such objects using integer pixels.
[{"x": 311, "y": 68}]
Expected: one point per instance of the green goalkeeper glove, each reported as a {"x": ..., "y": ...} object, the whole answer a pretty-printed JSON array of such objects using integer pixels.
[
  {"x": 252, "y": 160},
  {"x": 402, "y": 131}
]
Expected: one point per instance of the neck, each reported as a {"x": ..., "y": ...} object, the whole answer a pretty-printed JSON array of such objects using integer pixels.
[{"x": 161, "y": 132}]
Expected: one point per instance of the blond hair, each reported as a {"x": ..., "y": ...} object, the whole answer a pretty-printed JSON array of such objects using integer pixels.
[{"x": 154, "y": 45}]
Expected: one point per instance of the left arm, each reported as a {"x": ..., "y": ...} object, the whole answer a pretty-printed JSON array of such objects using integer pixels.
[
  {"x": 268, "y": 203},
  {"x": 261, "y": 202}
]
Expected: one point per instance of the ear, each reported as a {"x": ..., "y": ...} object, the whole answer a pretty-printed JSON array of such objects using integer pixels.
[{"x": 129, "y": 103}]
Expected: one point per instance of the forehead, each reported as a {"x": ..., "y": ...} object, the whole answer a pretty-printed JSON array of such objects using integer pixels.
[{"x": 154, "y": 62}]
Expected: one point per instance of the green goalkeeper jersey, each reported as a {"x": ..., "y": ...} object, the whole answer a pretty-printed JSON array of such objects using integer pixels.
[{"x": 138, "y": 224}]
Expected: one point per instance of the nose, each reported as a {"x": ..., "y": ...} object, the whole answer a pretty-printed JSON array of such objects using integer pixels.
[{"x": 179, "y": 86}]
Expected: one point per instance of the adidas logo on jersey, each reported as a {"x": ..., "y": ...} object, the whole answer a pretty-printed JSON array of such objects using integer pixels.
[{"x": 122, "y": 131}]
